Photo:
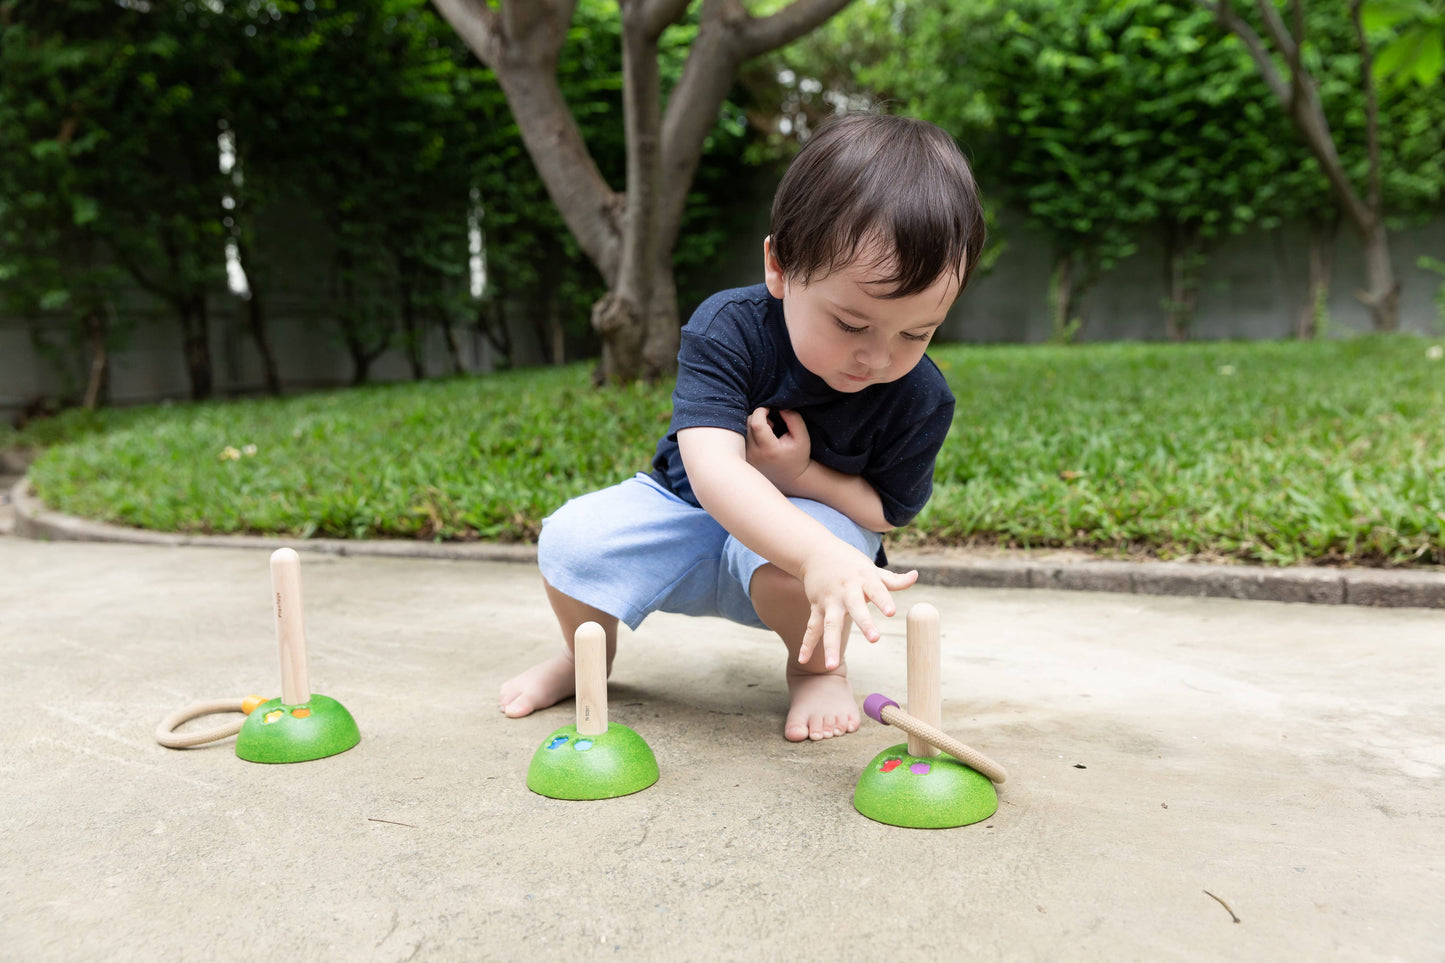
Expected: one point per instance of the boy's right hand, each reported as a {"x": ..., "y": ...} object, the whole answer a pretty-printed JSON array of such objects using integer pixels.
[
  {"x": 839, "y": 583},
  {"x": 781, "y": 458}
]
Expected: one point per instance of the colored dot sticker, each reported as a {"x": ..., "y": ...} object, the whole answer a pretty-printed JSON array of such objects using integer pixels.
[
  {"x": 301, "y": 713},
  {"x": 891, "y": 765},
  {"x": 557, "y": 742},
  {"x": 271, "y": 717},
  {"x": 920, "y": 768},
  {"x": 583, "y": 745}
]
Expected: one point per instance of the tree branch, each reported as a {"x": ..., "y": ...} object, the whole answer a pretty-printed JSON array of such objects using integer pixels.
[
  {"x": 1372, "y": 105},
  {"x": 1274, "y": 24},
  {"x": 661, "y": 14},
  {"x": 1233, "y": 23},
  {"x": 758, "y": 35},
  {"x": 479, "y": 26},
  {"x": 520, "y": 43},
  {"x": 727, "y": 36},
  {"x": 1299, "y": 99}
]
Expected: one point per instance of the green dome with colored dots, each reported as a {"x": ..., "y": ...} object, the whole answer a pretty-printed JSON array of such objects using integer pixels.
[
  {"x": 274, "y": 732},
  {"x": 937, "y": 792},
  {"x": 569, "y": 765}
]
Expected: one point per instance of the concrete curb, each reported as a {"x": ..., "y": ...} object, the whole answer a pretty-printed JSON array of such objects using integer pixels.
[{"x": 1314, "y": 585}]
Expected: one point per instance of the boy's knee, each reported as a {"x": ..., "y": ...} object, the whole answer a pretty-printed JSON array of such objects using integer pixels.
[
  {"x": 841, "y": 525},
  {"x": 773, "y": 582},
  {"x": 566, "y": 538}
]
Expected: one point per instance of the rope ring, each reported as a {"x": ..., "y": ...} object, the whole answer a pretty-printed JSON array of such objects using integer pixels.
[{"x": 168, "y": 737}]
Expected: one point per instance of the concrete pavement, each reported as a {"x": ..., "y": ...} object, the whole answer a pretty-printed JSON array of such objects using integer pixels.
[{"x": 1288, "y": 759}]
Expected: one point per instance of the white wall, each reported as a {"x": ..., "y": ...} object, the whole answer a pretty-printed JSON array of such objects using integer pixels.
[{"x": 1252, "y": 287}]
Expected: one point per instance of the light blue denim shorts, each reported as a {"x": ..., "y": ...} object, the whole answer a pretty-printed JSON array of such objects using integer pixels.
[{"x": 636, "y": 548}]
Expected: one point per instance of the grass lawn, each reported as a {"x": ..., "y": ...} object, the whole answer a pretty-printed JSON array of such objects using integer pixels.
[{"x": 1277, "y": 452}]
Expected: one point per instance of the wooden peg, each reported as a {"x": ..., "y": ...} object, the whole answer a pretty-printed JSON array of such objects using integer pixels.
[
  {"x": 290, "y": 634},
  {"x": 589, "y": 652},
  {"x": 925, "y": 701}
]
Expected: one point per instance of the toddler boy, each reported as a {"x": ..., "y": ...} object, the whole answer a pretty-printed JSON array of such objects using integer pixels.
[{"x": 806, "y": 421}]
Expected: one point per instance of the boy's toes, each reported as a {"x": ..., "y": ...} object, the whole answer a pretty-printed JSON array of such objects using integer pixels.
[
  {"x": 796, "y": 731},
  {"x": 519, "y": 706}
]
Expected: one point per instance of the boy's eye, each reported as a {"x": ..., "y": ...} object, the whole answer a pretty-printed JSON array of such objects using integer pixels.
[
  {"x": 845, "y": 326},
  {"x": 917, "y": 337}
]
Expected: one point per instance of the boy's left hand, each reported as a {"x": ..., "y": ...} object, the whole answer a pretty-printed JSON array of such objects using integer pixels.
[
  {"x": 780, "y": 458},
  {"x": 839, "y": 584}
]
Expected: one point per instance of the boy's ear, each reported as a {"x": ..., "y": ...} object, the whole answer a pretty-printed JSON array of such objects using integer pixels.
[{"x": 772, "y": 271}]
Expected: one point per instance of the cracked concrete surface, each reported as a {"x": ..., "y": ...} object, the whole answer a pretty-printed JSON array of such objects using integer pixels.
[{"x": 1285, "y": 758}]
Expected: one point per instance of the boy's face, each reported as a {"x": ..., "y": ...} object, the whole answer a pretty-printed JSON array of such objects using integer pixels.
[{"x": 844, "y": 331}]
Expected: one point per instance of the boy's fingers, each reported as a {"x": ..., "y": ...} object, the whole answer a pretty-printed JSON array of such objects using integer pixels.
[
  {"x": 858, "y": 609},
  {"x": 896, "y": 581},
  {"x": 879, "y": 595},
  {"x": 810, "y": 637},
  {"x": 835, "y": 619}
]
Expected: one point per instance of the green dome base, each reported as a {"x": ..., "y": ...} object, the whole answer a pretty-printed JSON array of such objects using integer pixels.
[
  {"x": 937, "y": 792},
  {"x": 569, "y": 765},
  {"x": 312, "y": 730}
]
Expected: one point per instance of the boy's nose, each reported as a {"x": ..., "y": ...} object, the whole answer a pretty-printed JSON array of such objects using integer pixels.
[{"x": 872, "y": 356}]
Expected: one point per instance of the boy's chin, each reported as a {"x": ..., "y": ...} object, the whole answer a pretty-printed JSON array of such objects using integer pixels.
[{"x": 848, "y": 384}]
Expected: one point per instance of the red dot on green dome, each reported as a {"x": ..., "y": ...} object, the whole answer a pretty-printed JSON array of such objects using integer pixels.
[{"x": 892, "y": 764}]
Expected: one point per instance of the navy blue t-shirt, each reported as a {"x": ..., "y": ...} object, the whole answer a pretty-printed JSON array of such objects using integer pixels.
[{"x": 736, "y": 356}]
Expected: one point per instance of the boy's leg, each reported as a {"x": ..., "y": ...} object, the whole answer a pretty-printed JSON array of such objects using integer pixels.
[
  {"x": 614, "y": 556},
  {"x": 822, "y": 704},
  {"x": 821, "y": 699},
  {"x": 549, "y": 682}
]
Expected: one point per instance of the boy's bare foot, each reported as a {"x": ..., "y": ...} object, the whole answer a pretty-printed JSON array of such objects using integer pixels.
[
  {"x": 822, "y": 708},
  {"x": 544, "y": 684}
]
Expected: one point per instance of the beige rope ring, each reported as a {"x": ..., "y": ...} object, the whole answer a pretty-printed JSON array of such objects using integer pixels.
[{"x": 167, "y": 736}]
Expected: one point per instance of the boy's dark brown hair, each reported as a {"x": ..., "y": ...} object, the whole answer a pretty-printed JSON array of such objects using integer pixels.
[{"x": 863, "y": 177}]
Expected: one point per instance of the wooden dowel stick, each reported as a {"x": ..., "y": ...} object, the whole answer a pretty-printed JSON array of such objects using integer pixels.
[
  {"x": 925, "y": 701},
  {"x": 290, "y": 633},
  {"x": 967, "y": 755},
  {"x": 589, "y": 652}
]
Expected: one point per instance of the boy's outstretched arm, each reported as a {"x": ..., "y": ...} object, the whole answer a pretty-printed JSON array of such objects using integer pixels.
[{"x": 839, "y": 580}]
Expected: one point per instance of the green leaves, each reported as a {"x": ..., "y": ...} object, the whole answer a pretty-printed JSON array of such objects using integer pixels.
[{"x": 1416, "y": 50}]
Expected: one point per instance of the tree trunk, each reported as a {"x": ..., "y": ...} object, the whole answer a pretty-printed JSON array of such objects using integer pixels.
[
  {"x": 1382, "y": 296},
  {"x": 411, "y": 332},
  {"x": 630, "y": 241},
  {"x": 195, "y": 333},
  {"x": 620, "y": 317},
  {"x": 454, "y": 346},
  {"x": 351, "y": 323},
  {"x": 546, "y": 311},
  {"x": 491, "y": 321},
  {"x": 1299, "y": 96},
  {"x": 1321, "y": 267},
  {"x": 1181, "y": 278},
  {"x": 256, "y": 322},
  {"x": 1061, "y": 298},
  {"x": 96, "y": 330},
  {"x": 664, "y": 330}
]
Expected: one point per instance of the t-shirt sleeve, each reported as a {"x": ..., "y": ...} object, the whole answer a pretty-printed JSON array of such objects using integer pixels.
[
  {"x": 712, "y": 385},
  {"x": 904, "y": 476}
]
